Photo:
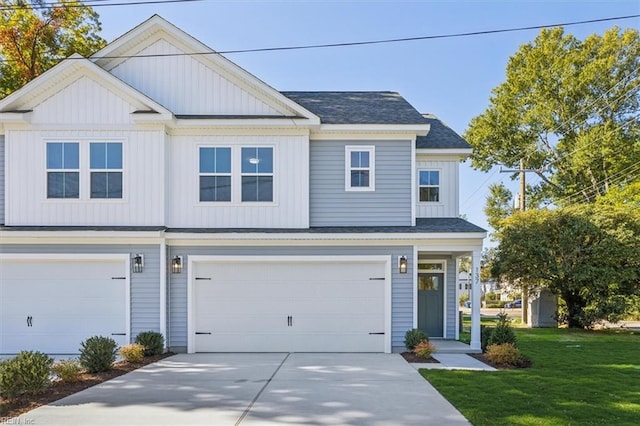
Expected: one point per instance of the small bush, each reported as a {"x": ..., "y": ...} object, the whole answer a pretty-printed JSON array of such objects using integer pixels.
[
  {"x": 424, "y": 349},
  {"x": 413, "y": 337},
  {"x": 98, "y": 353},
  {"x": 28, "y": 373},
  {"x": 502, "y": 333},
  {"x": 495, "y": 305},
  {"x": 152, "y": 341},
  {"x": 506, "y": 354},
  {"x": 67, "y": 371},
  {"x": 485, "y": 334},
  {"x": 133, "y": 352}
]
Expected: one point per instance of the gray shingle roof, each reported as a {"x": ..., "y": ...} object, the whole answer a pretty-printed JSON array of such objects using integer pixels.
[
  {"x": 358, "y": 107},
  {"x": 440, "y": 136},
  {"x": 423, "y": 225}
]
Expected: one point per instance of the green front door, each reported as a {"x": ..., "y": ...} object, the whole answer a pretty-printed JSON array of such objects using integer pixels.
[{"x": 430, "y": 303}]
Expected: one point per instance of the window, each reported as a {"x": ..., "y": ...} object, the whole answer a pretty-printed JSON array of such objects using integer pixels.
[
  {"x": 359, "y": 170},
  {"x": 105, "y": 163},
  {"x": 63, "y": 170},
  {"x": 215, "y": 174},
  {"x": 429, "y": 181},
  {"x": 257, "y": 174}
]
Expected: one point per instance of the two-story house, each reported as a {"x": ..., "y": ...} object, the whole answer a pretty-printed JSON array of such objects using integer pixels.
[{"x": 158, "y": 186}]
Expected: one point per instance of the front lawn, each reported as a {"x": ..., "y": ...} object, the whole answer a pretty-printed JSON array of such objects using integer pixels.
[{"x": 577, "y": 378}]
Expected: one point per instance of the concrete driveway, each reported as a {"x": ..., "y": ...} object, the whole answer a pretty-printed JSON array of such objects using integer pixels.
[{"x": 258, "y": 389}]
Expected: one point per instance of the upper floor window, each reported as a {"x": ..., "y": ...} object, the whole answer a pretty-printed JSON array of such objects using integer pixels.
[
  {"x": 257, "y": 174},
  {"x": 215, "y": 174},
  {"x": 63, "y": 170},
  {"x": 105, "y": 163},
  {"x": 360, "y": 168},
  {"x": 429, "y": 183}
]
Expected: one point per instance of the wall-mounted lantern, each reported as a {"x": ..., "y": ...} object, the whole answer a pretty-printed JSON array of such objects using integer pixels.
[
  {"x": 402, "y": 264},
  {"x": 138, "y": 262},
  {"x": 176, "y": 265}
]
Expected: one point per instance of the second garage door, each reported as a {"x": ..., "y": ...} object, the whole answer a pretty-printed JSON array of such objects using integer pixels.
[{"x": 289, "y": 306}]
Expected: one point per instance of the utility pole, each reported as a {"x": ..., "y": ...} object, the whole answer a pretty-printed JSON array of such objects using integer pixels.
[{"x": 522, "y": 205}]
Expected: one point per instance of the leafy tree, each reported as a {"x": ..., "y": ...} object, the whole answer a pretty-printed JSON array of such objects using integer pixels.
[
  {"x": 569, "y": 108},
  {"x": 499, "y": 204},
  {"x": 589, "y": 255},
  {"x": 34, "y": 37}
]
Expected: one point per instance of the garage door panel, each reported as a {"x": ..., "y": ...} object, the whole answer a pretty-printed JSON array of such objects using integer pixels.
[
  {"x": 325, "y": 306},
  {"x": 53, "y": 305}
]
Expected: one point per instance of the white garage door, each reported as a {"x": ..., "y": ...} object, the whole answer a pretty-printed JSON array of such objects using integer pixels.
[
  {"x": 289, "y": 306},
  {"x": 53, "y": 305}
]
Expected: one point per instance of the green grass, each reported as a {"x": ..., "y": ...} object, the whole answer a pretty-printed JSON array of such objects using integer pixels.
[{"x": 577, "y": 378}]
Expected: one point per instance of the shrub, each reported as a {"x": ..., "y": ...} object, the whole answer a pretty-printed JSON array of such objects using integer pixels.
[
  {"x": 495, "y": 305},
  {"x": 98, "y": 353},
  {"x": 463, "y": 298},
  {"x": 506, "y": 354},
  {"x": 413, "y": 337},
  {"x": 485, "y": 333},
  {"x": 133, "y": 352},
  {"x": 27, "y": 373},
  {"x": 424, "y": 349},
  {"x": 67, "y": 371},
  {"x": 502, "y": 333},
  {"x": 152, "y": 341}
]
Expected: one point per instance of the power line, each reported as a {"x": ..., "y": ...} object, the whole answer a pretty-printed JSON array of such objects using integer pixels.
[{"x": 89, "y": 3}]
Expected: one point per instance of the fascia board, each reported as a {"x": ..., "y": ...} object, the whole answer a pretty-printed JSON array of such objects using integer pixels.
[
  {"x": 416, "y": 129},
  {"x": 251, "y": 122},
  {"x": 444, "y": 151},
  {"x": 328, "y": 236}
]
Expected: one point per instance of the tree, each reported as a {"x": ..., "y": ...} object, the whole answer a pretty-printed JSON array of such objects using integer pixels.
[
  {"x": 589, "y": 255},
  {"x": 34, "y": 37},
  {"x": 569, "y": 108},
  {"x": 499, "y": 205}
]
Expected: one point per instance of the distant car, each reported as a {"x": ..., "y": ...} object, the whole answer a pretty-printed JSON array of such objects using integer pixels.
[
  {"x": 467, "y": 304},
  {"x": 515, "y": 304}
]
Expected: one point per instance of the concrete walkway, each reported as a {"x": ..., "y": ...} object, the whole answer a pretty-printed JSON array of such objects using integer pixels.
[
  {"x": 258, "y": 389},
  {"x": 449, "y": 361}
]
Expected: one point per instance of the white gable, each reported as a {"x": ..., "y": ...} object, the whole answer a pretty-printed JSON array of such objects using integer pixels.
[
  {"x": 187, "y": 85},
  {"x": 85, "y": 101}
]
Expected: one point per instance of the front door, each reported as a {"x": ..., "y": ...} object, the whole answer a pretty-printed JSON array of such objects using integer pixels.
[{"x": 430, "y": 303}]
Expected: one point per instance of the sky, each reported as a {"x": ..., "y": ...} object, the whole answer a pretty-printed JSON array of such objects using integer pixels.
[{"x": 451, "y": 78}]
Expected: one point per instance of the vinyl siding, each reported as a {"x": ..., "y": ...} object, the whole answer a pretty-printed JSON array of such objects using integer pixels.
[
  {"x": 448, "y": 204},
  {"x": 2, "y": 179},
  {"x": 143, "y": 195},
  {"x": 401, "y": 291},
  {"x": 332, "y": 205},
  {"x": 145, "y": 286},
  {"x": 195, "y": 88}
]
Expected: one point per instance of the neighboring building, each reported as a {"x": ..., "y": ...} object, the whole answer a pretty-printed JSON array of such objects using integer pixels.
[{"x": 181, "y": 194}]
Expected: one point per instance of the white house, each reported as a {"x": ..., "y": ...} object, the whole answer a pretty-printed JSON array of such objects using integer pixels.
[{"x": 154, "y": 187}]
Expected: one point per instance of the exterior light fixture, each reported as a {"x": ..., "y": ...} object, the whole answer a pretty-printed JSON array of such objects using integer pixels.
[
  {"x": 138, "y": 263},
  {"x": 176, "y": 265},
  {"x": 402, "y": 264}
]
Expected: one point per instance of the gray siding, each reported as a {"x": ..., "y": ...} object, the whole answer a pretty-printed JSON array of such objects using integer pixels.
[
  {"x": 389, "y": 204},
  {"x": 401, "y": 293},
  {"x": 2, "y": 179},
  {"x": 145, "y": 286}
]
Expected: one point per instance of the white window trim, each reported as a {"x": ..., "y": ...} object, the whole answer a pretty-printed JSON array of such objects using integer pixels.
[
  {"x": 48, "y": 170},
  {"x": 439, "y": 186},
  {"x": 272, "y": 174},
  {"x": 91, "y": 171},
  {"x": 230, "y": 174},
  {"x": 372, "y": 168}
]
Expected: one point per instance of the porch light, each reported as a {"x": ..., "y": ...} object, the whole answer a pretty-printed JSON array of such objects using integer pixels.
[
  {"x": 176, "y": 264},
  {"x": 402, "y": 264},
  {"x": 138, "y": 262}
]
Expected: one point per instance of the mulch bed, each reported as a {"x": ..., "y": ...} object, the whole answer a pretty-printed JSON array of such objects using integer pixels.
[
  {"x": 13, "y": 407},
  {"x": 524, "y": 363},
  {"x": 411, "y": 357}
]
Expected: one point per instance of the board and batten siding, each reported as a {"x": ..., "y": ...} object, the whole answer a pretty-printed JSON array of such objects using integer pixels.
[
  {"x": 290, "y": 208},
  {"x": 187, "y": 84},
  {"x": 2, "y": 179},
  {"x": 84, "y": 102},
  {"x": 143, "y": 176},
  {"x": 401, "y": 286},
  {"x": 388, "y": 205},
  {"x": 448, "y": 204},
  {"x": 145, "y": 286}
]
